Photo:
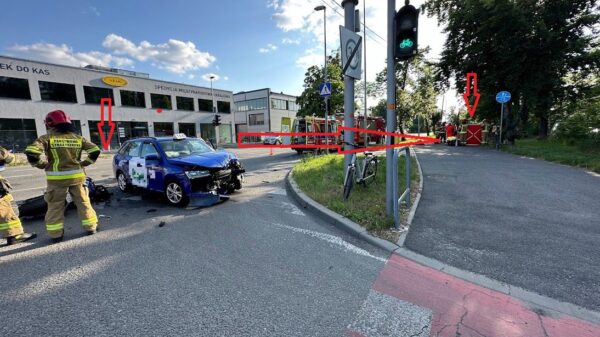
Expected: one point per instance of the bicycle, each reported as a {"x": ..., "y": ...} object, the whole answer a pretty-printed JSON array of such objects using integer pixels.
[{"x": 361, "y": 173}]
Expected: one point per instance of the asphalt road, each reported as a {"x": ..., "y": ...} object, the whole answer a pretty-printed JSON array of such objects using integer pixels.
[
  {"x": 255, "y": 265},
  {"x": 523, "y": 221}
]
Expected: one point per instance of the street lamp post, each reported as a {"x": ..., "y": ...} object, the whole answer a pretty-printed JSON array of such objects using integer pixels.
[
  {"x": 324, "y": 9},
  {"x": 212, "y": 97}
]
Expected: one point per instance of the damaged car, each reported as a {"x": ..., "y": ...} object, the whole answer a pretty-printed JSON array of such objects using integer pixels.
[{"x": 187, "y": 170}]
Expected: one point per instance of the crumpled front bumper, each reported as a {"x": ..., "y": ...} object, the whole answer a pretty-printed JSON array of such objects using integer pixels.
[{"x": 206, "y": 199}]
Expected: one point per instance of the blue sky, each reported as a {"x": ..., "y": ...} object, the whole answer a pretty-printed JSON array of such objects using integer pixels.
[{"x": 248, "y": 44}]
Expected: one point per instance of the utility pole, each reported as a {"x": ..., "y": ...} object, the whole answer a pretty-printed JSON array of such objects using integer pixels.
[
  {"x": 325, "y": 77},
  {"x": 365, "y": 124},
  {"x": 391, "y": 109},
  {"x": 349, "y": 21}
]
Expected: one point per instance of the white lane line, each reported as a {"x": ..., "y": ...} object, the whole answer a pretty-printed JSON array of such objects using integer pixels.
[
  {"x": 28, "y": 189},
  {"x": 333, "y": 239},
  {"x": 291, "y": 208}
]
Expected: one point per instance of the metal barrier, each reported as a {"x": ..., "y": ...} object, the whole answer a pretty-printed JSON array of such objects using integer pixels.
[{"x": 406, "y": 194}]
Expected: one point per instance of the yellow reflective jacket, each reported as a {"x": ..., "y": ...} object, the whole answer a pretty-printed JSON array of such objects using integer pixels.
[
  {"x": 63, "y": 162},
  {"x": 5, "y": 158}
]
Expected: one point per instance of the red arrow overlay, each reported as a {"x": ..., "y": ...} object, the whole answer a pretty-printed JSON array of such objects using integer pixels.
[
  {"x": 106, "y": 140},
  {"x": 418, "y": 140},
  {"x": 467, "y": 95}
]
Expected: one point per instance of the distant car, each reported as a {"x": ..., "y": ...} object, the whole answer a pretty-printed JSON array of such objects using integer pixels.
[
  {"x": 272, "y": 140},
  {"x": 182, "y": 168}
]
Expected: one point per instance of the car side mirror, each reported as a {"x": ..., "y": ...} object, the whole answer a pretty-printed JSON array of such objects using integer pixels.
[
  {"x": 152, "y": 157},
  {"x": 212, "y": 144}
]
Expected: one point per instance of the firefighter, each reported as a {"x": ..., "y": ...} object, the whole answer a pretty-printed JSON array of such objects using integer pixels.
[
  {"x": 64, "y": 172},
  {"x": 10, "y": 225}
]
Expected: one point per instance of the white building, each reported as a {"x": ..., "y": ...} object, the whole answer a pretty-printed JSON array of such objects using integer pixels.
[
  {"x": 264, "y": 111},
  {"x": 141, "y": 106}
]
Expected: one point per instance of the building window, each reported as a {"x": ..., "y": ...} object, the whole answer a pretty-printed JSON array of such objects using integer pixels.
[
  {"x": 161, "y": 101},
  {"x": 16, "y": 134},
  {"x": 14, "y": 88},
  {"x": 163, "y": 129},
  {"x": 185, "y": 103},
  {"x": 205, "y": 105},
  {"x": 256, "y": 119},
  {"x": 93, "y": 95},
  {"x": 252, "y": 104},
  {"x": 292, "y": 106},
  {"x": 60, "y": 92},
  {"x": 188, "y": 128},
  {"x": 278, "y": 104},
  {"x": 224, "y": 107},
  {"x": 133, "y": 98}
]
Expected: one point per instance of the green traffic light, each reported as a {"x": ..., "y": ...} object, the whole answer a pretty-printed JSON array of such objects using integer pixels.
[{"x": 406, "y": 43}]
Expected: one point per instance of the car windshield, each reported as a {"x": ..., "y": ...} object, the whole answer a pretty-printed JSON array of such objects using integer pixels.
[{"x": 185, "y": 147}]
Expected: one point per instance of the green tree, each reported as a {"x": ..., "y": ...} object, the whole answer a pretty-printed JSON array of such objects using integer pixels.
[
  {"x": 310, "y": 100},
  {"x": 525, "y": 46},
  {"x": 416, "y": 91}
]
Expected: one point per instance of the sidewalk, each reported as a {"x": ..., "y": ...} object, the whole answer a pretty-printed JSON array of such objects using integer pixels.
[{"x": 525, "y": 222}]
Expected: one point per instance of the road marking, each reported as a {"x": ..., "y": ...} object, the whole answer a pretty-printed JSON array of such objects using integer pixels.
[
  {"x": 291, "y": 208},
  {"x": 28, "y": 189},
  {"x": 333, "y": 239}
]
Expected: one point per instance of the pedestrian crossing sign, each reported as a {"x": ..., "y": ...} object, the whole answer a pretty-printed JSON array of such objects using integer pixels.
[{"x": 325, "y": 89}]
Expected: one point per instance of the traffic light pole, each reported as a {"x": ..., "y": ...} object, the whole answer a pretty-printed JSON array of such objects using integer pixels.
[
  {"x": 391, "y": 109},
  {"x": 349, "y": 22}
]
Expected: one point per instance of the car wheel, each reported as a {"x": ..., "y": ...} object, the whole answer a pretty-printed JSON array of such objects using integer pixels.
[
  {"x": 175, "y": 195},
  {"x": 124, "y": 186}
]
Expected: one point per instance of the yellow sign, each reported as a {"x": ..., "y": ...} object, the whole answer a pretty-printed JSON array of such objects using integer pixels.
[
  {"x": 114, "y": 81},
  {"x": 391, "y": 106}
]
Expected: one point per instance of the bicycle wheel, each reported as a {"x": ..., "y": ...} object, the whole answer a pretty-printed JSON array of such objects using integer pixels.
[
  {"x": 370, "y": 172},
  {"x": 349, "y": 181}
]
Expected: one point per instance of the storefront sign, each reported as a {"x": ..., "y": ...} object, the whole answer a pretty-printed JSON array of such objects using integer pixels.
[
  {"x": 114, "y": 81},
  {"x": 24, "y": 69},
  {"x": 188, "y": 91}
]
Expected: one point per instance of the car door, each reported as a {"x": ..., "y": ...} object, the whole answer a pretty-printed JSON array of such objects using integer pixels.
[
  {"x": 137, "y": 166},
  {"x": 130, "y": 150},
  {"x": 155, "y": 169}
]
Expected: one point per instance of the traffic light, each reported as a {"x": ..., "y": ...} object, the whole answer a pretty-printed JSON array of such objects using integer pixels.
[
  {"x": 407, "y": 24},
  {"x": 216, "y": 120}
]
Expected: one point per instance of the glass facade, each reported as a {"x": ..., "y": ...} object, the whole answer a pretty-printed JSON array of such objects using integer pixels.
[
  {"x": 205, "y": 105},
  {"x": 185, "y": 103},
  {"x": 161, "y": 101},
  {"x": 163, "y": 129},
  {"x": 282, "y": 104},
  {"x": 59, "y": 92},
  {"x": 256, "y": 119},
  {"x": 133, "y": 98},
  {"x": 17, "y": 133},
  {"x": 207, "y": 131},
  {"x": 224, "y": 133},
  {"x": 14, "y": 88},
  {"x": 93, "y": 95},
  {"x": 131, "y": 130},
  {"x": 188, "y": 128},
  {"x": 253, "y": 104},
  {"x": 224, "y": 107}
]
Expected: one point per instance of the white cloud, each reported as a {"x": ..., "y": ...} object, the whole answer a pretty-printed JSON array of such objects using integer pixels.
[
  {"x": 94, "y": 10},
  {"x": 191, "y": 76},
  {"x": 63, "y": 54},
  {"x": 207, "y": 77},
  {"x": 175, "y": 56},
  {"x": 269, "y": 48},
  {"x": 290, "y": 41},
  {"x": 300, "y": 16},
  {"x": 226, "y": 78}
]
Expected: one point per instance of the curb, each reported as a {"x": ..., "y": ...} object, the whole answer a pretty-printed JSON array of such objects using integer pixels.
[
  {"x": 333, "y": 218},
  {"x": 415, "y": 204}
]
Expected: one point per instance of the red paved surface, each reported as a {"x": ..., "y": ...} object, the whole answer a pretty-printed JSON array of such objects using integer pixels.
[{"x": 464, "y": 309}]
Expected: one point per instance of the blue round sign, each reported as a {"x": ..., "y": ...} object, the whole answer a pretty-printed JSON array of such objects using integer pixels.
[{"x": 503, "y": 97}]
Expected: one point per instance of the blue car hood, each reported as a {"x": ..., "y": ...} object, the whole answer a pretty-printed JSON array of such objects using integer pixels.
[{"x": 217, "y": 159}]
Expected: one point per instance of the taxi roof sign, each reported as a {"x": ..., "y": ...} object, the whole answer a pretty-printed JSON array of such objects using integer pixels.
[{"x": 179, "y": 136}]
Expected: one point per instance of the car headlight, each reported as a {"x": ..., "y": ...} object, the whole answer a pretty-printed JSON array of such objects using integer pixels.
[{"x": 197, "y": 174}]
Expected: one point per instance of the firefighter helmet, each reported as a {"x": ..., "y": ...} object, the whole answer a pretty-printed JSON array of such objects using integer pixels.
[{"x": 57, "y": 117}]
